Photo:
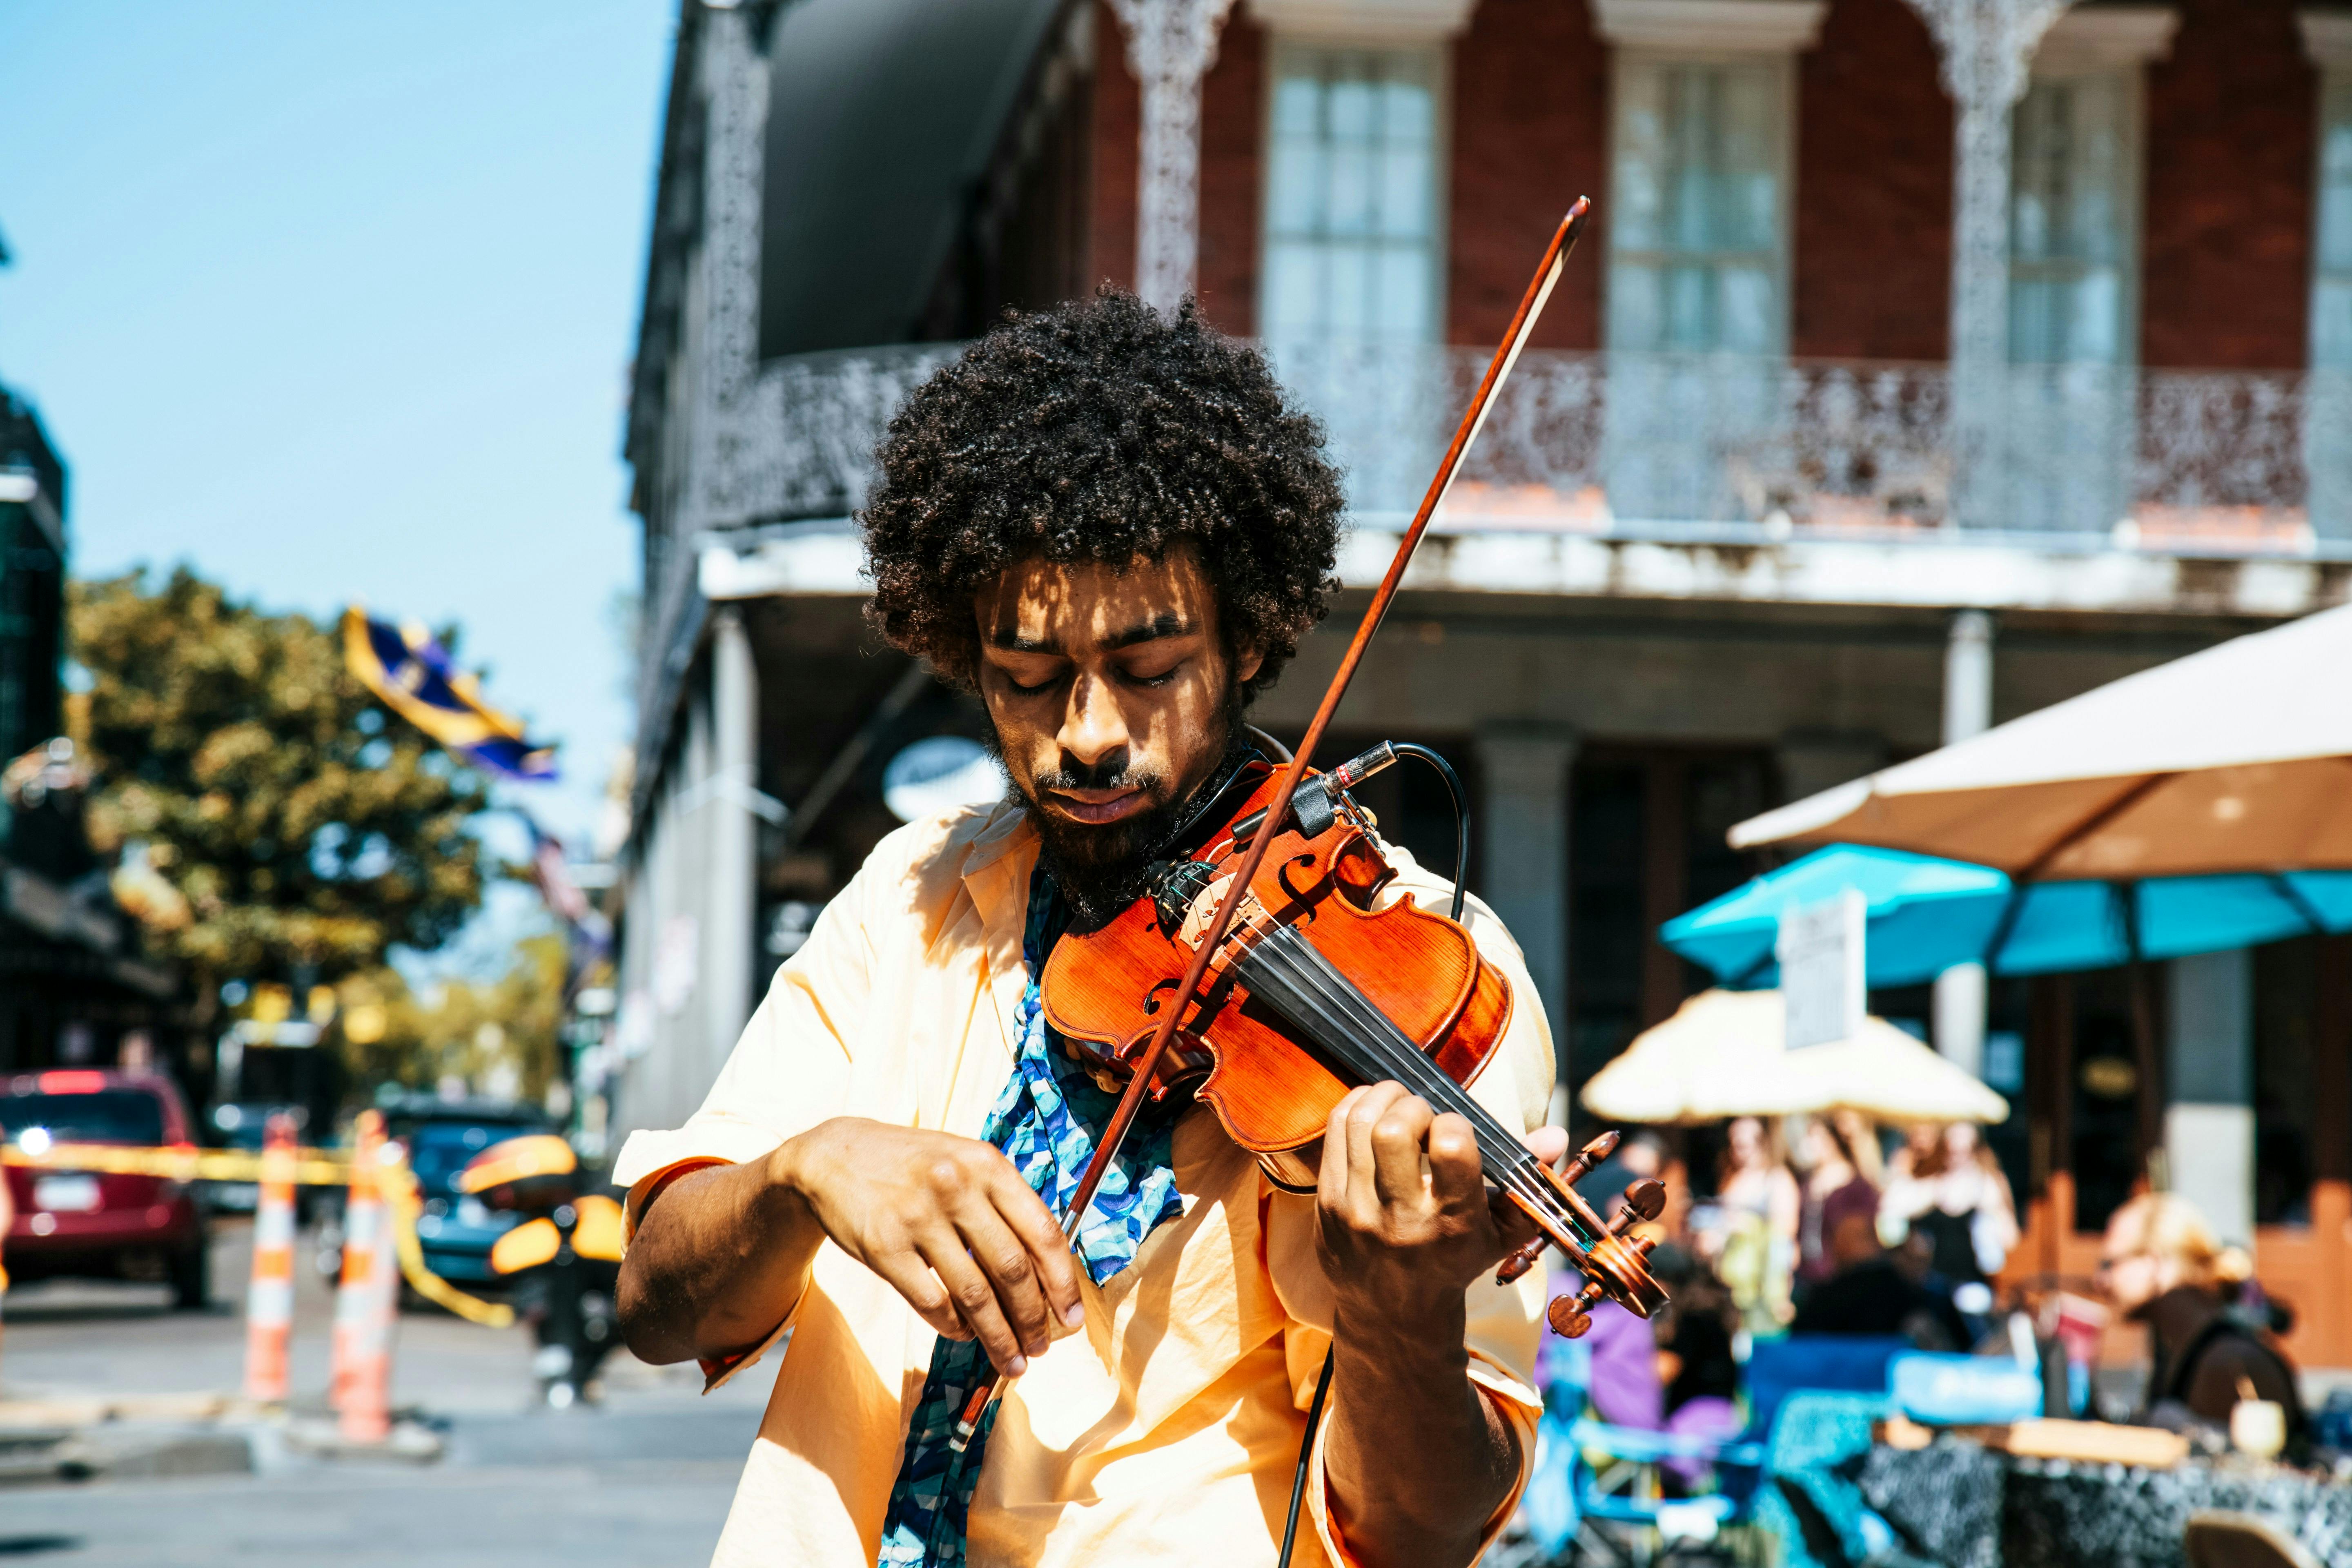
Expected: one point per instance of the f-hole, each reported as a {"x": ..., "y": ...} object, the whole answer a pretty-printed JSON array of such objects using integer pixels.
[
  {"x": 1297, "y": 896},
  {"x": 1152, "y": 997}
]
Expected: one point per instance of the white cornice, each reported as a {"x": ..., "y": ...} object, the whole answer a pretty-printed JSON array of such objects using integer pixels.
[
  {"x": 2107, "y": 37},
  {"x": 1743, "y": 27},
  {"x": 1364, "y": 21},
  {"x": 2328, "y": 39}
]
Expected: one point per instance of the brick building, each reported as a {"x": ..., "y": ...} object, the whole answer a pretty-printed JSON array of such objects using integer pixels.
[{"x": 1930, "y": 361}]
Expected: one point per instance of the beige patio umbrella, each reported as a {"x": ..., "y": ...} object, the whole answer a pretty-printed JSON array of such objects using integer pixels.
[
  {"x": 2235, "y": 759},
  {"x": 1721, "y": 1055}
]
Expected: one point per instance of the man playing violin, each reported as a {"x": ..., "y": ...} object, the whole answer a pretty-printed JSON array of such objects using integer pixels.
[{"x": 1111, "y": 527}]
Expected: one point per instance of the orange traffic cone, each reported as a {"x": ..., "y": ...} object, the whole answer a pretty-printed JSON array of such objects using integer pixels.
[
  {"x": 367, "y": 1297},
  {"x": 269, "y": 1304}
]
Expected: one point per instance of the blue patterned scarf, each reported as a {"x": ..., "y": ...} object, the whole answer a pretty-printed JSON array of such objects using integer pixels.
[{"x": 1045, "y": 1120}]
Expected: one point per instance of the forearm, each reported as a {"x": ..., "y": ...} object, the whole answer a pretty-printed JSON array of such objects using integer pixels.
[
  {"x": 1417, "y": 1459},
  {"x": 716, "y": 1262}
]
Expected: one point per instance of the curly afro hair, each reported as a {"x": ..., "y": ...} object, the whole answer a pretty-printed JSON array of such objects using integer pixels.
[{"x": 1102, "y": 431}]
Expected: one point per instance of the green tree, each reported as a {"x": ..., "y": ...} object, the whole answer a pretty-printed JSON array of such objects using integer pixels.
[
  {"x": 389, "y": 1034},
  {"x": 304, "y": 829}
]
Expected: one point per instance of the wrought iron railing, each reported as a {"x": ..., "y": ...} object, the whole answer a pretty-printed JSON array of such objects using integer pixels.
[{"x": 2221, "y": 462}]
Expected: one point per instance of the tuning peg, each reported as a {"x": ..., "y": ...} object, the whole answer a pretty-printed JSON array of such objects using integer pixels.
[
  {"x": 1588, "y": 1157},
  {"x": 1646, "y": 1200},
  {"x": 1520, "y": 1261},
  {"x": 1570, "y": 1316}
]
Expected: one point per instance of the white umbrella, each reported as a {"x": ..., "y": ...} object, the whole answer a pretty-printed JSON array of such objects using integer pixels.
[
  {"x": 1721, "y": 1055},
  {"x": 2235, "y": 759}
]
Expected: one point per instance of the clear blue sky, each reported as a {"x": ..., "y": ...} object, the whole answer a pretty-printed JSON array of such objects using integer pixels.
[{"x": 336, "y": 300}]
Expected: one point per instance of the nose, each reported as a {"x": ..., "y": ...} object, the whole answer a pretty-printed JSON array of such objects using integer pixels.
[{"x": 1093, "y": 730}]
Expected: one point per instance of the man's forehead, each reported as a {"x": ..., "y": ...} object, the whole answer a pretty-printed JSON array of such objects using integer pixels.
[{"x": 1042, "y": 603}]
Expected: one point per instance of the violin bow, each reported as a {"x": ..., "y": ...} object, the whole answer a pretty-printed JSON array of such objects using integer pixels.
[{"x": 1277, "y": 805}]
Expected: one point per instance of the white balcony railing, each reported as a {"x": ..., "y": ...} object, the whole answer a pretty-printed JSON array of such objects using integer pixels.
[{"x": 2200, "y": 462}]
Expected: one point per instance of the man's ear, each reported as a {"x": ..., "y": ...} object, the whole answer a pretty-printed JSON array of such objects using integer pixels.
[{"x": 1246, "y": 662}]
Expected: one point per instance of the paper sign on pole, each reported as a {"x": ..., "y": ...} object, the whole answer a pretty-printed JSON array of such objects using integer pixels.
[{"x": 1822, "y": 979}]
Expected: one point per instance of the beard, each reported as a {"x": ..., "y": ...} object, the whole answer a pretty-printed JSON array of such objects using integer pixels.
[{"x": 1103, "y": 868}]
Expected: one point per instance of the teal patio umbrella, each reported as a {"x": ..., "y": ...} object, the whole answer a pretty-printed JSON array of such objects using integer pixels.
[{"x": 1927, "y": 914}]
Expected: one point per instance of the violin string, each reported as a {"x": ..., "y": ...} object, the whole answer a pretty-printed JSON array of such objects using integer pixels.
[
  {"x": 1401, "y": 1059},
  {"x": 1396, "y": 1050},
  {"x": 1312, "y": 980},
  {"x": 1346, "y": 1019}
]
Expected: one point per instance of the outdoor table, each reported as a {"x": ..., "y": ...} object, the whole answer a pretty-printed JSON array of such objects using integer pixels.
[{"x": 1966, "y": 1506}]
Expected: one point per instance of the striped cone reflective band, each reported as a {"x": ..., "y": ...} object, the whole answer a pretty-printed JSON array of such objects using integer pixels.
[
  {"x": 269, "y": 1303},
  {"x": 369, "y": 1295}
]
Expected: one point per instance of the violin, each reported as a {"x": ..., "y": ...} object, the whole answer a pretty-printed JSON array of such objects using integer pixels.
[{"x": 1316, "y": 989}]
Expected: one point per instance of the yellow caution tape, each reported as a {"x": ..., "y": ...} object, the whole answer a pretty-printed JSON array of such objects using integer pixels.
[
  {"x": 314, "y": 1167},
  {"x": 184, "y": 1163},
  {"x": 406, "y": 1203}
]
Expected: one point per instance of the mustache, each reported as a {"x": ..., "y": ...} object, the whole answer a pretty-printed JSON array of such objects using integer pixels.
[{"x": 1110, "y": 772}]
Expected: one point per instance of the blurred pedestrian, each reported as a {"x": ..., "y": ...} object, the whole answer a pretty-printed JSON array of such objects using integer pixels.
[
  {"x": 1871, "y": 1292},
  {"x": 1947, "y": 1192},
  {"x": 2162, "y": 1265},
  {"x": 1862, "y": 1146},
  {"x": 1834, "y": 1188},
  {"x": 1693, "y": 1333},
  {"x": 1751, "y": 1235}
]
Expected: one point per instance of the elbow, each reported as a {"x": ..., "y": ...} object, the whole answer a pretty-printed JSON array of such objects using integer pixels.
[{"x": 652, "y": 1335}]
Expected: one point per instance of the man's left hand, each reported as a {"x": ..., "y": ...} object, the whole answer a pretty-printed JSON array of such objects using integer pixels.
[{"x": 1407, "y": 1223}]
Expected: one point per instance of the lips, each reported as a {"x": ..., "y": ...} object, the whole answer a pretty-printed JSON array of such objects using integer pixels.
[{"x": 1097, "y": 806}]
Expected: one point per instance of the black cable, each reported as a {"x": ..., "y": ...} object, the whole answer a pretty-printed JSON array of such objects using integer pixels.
[
  {"x": 1460, "y": 817},
  {"x": 1306, "y": 1451},
  {"x": 1461, "y": 889}
]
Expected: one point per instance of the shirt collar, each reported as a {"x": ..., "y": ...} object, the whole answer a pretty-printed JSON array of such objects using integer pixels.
[{"x": 996, "y": 879}]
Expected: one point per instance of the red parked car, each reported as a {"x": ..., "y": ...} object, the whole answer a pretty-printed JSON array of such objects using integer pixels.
[{"x": 96, "y": 1225}]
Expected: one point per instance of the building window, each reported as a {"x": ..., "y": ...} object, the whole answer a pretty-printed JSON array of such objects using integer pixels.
[
  {"x": 1352, "y": 210},
  {"x": 1698, "y": 238},
  {"x": 2331, "y": 284},
  {"x": 2071, "y": 189}
]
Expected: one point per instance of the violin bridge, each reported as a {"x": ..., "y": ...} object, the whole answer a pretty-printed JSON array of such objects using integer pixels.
[{"x": 1204, "y": 910}]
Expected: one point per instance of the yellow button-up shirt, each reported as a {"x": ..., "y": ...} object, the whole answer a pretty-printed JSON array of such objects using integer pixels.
[{"x": 1165, "y": 1431}]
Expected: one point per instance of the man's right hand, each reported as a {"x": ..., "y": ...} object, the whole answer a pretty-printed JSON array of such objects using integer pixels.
[{"x": 948, "y": 1222}]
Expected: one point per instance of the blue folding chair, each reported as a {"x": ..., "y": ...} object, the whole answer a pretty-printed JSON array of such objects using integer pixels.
[{"x": 1597, "y": 1495}]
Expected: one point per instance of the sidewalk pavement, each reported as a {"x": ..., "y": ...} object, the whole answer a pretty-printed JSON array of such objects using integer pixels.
[{"x": 186, "y": 1476}]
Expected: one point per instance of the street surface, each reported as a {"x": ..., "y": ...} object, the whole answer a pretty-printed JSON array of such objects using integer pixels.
[{"x": 642, "y": 1481}]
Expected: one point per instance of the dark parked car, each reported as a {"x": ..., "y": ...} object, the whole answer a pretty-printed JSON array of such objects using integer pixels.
[
  {"x": 93, "y": 1225},
  {"x": 457, "y": 1230}
]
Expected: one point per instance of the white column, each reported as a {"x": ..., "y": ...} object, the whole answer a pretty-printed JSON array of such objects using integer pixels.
[
  {"x": 1170, "y": 45},
  {"x": 2208, "y": 1117},
  {"x": 731, "y": 870},
  {"x": 1985, "y": 46},
  {"x": 1961, "y": 991},
  {"x": 1524, "y": 773},
  {"x": 1968, "y": 676}
]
